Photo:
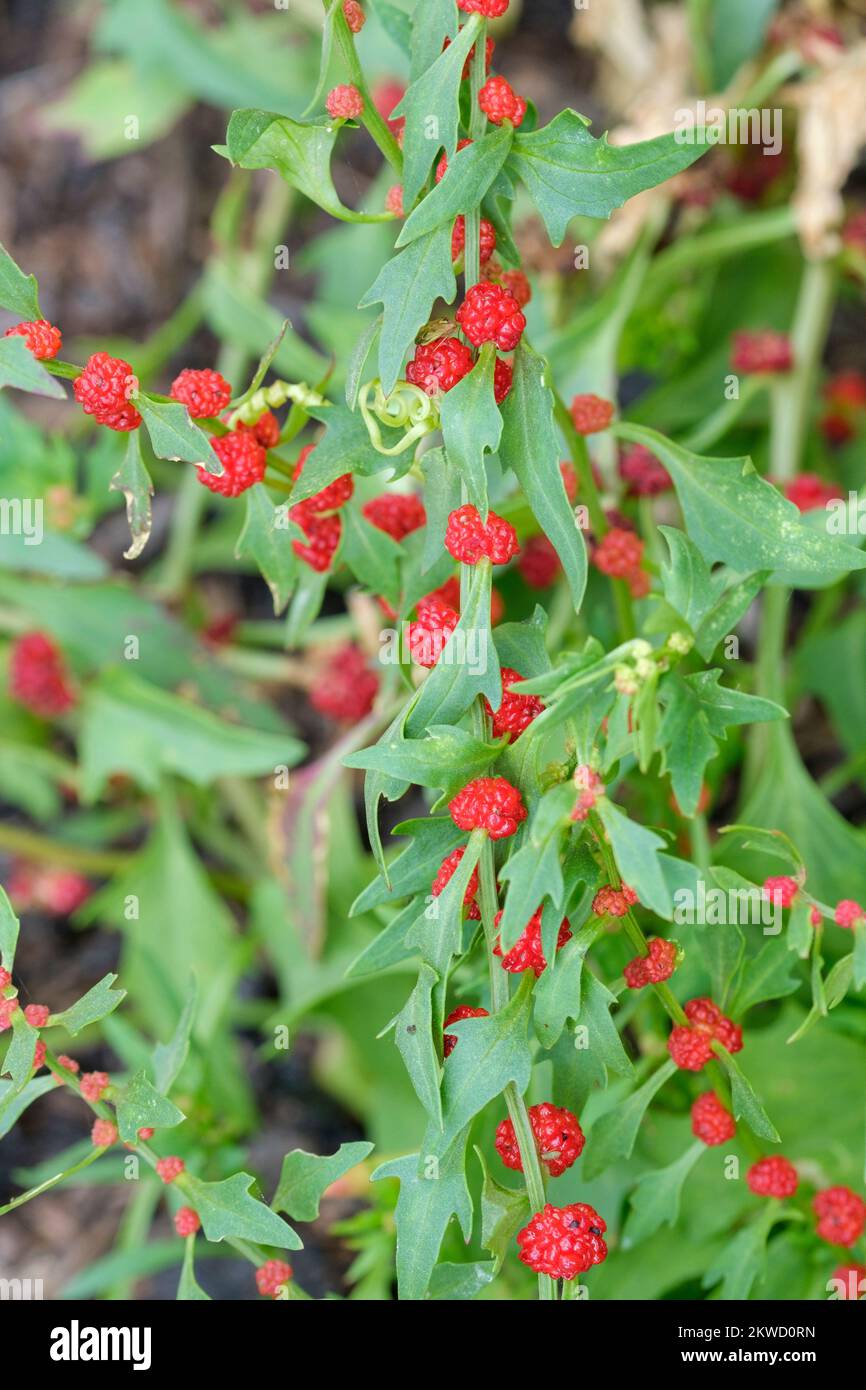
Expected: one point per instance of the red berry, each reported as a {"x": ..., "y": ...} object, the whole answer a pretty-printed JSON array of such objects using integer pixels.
[
  {"x": 591, "y": 414},
  {"x": 344, "y": 102},
  {"x": 491, "y": 9},
  {"x": 558, "y": 1138},
  {"x": 487, "y": 239},
  {"x": 331, "y": 498},
  {"x": 841, "y": 1215},
  {"x": 516, "y": 712},
  {"x": 449, "y": 1041},
  {"x": 442, "y": 166},
  {"x": 847, "y": 388},
  {"x": 499, "y": 102},
  {"x": 503, "y": 375},
  {"x": 429, "y": 633},
  {"x": 94, "y": 1084},
  {"x": 448, "y": 593},
  {"x": 848, "y": 913},
  {"x": 170, "y": 1168},
  {"x": 394, "y": 200},
  {"x": 267, "y": 430},
  {"x": 7, "y": 1009},
  {"x": 491, "y": 804},
  {"x": 527, "y": 953},
  {"x": 642, "y": 473},
  {"x": 467, "y": 66},
  {"x": 653, "y": 968},
  {"x": 103, "y": 1134},
  {"x": 517, "y": 285},
  {"x": 323, "y": 537},
  {"x": 781, "y": 890},
  {"x": 186, "y": 1221},
  {"x": 439, "y": 366},
  {"x": 469, "y": 539},
  {"x": 706, "y": 1017},
  {"x": 690, "y": 1049},
  {"x": 37, "y": 676},
  {"x": 5, "y": 978},
  {"x": 398, "y": 514},
  {"x": 103, "y": 391},
  {"x": 37, "y": 1015},
  {"x": 41, "y": 337},
  {"x": 355, "y": 17},
  {"x": 271, "y": 1277},
  {"x": 618, "y": 553},
  {"x": 243, "y": 460},
  {"x": 610, "y": 902},
  {"x": 346, "y": 689},
  {"x": 447, "y": 870},
  {"x": 853, "y": 1281},
  {"x": 539, "y": 563},
  {"x": 766, "y": 351},
  {"x": 773, "y": 1177},
  {"x": 39, "y": 1054},
  {"x": 489, "y": 314},
  {"x": 387, "y": 96},
  {"x": 146, "y": 1133},
  {"x": 563, "y": 1241},
  {"x": 809, "y": 493},
  {"x": 62, "y": 891},
  {"x": 711, "y": 1122},
  {"x": 204, "y": 393}
]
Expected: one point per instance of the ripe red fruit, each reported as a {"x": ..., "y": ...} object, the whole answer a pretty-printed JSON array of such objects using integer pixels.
[
  {"x": 591, "y": 414},
  {"x": 853, "y": 1281},
  {"x": 5, "y": 978},
  {"x": 469, "y": 539},
  {"x": 517, "y": 285},
  {"x": 429, "y": 633},
  {"x": 355, "y": 17},
  {"x": 618, "y": 553},
  {"x": 707, "y": 1017},
  {"x": 323, "y": 535},
  {"x": 539, "y": 563},
  {"x": 7, "y": 1009},
  {"x": 146, "y": 1133},
  {"x": 398, "y": 514},
  {"x": 346, "y": 689},
  {"x": 438, "y": 366},
  {"x": 487, "y": 239},
  {"x": 841, "y": 1215},
  {"x": 613, "y": 902},
  {"x": 243, "y": 460},
  {"x": 39, "y": 1054},
  {"x": 442, "y": 166},
  {"x": 690, "y": 1049},
  {"x": 449, "y": 1041},
  {"x": 848, "y": 913},
  {"x": 499, "y": 102},
  {"x": 37, "y": 676},
  {"x": 271, "y": 1277},
  {"x": 37, "y": 1015},
  {"x": 62, "y": 891},
  {"x": 563, "y": 1241},
  {"x": 170, "y": 1168},
  {"x": 94, "y": 1084},
  {"x": 204, "y": 393},
  {"x": 773, "y": 1177},
  {"x": 344, "y": 102},
  {"x": 711, "y": 1122},
  {"x": 527, "y": 953},
  {"x": 503, "y": 375},
  {"x": 516, "y": 712},
  {"x": 558, "y": 1138},
  {"x": 267, "y": 430},
  {"x": 41, "y": 337},
  {"x": 765, "y": 351},
  {"x": 491, "y": 9},
  {"x": 394, "y": 200},
  {"x": 330, "y": 498},
  {"x": 653, "y": 968},
  {"x": 781, "y": 890},
  {"x": 491, "y": 804},
  {"x": 387, "y": 96},
  {"x": 447, "y": 870},
  {"x": 467, "y": 66},
  {"x": 103, "y": 1134},
  {"x": 186, "y": 1221},
  {"x": 808, "y": 492},
  {"x": 642, "y": 473},
  {"x": 489, "y": 314},
  {"x": 103, "y": 391}
]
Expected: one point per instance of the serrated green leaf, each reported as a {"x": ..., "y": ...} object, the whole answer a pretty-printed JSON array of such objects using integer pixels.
[
  {"x": 188, "y": 1289},
  {"x": 416, "y": 866},
  {"x": 746, "y": 1104},
  {"x": 533, "y": 872},
  {"x": 228, "y": 1208},
  {"x": 655, "y": 1201},
  {"x": 470, "y": 174},
  {"x": 396, "y": 23},
  {"x": 371, "y": 554},
  {"x": 9, "y": 927},
  {"x": 636, "y": 851},
  {"x": 13, "y": 1102},
  {"x": 503, "y": 1211},
  {"x": 168, "y": 1058},
  {"x": 530, "y": 448},
  {"x": 407, "y": 288},
  {"x": 99, "y": 1001},
  {"x": 304, "y": 1178},
  {"x": 557, "y": 994},
  {"x": 731, "y": 607},
  {"x": 490, "y": 1054},
  {"x": 414, "y": 1038},
  {"x": 768, "y": 975},
  {"x": 460, "y": 1282},
  {"x": 432, "y": 1190},
  {"x": 472, "y": 426},
  {"x": 20, "y": 370},
  {"x": 613, "y": 1135},
  {"x": 742, "y": 1261},
  {"x": 134, "y": 481},
  {"x": 432, "y": 23},
  {"x": 468, "y": 666},
  {"x": 18, "y": 292},
  {"x": 431, "y": 110},
  {"x": 436, "y": 932},
  {"x": 447, "y": 758},
  {"x": 689, "y": 585},
  {"x": 265, "y": 539},
  {"x": 140, "y": 1106},
  {"x": 18, "y": 1062},
  {"x": 344, "y": 448},
  {"x": 567, "y": 172},
  {"x": 173, "y": 435},
  {"x": 597, "y": 1044}
]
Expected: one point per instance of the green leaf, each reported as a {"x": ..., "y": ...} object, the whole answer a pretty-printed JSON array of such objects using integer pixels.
[
  {"x": 597, "y": 1039},
  {"x": 18, "y": 1062},
  {"x": 859, "y": 961},
  {"x": 491, "y": 1053},
  {"x": 460, "y": 1282},
  {"x": 432, "y": 23},
  {"x": 344, "y": 447},
  {"x": 265, "y": 539},
  {"x": 557, "y": 994},
  {"x": 173, "y": 435},
  {"x": 731, "y": 607},
  {"x": 655, "y": 1201},
  {"x": 299, "y": 151},
  {"x": 371, "y": 554},
  {"x": 567, "y": 172},
  {"x": 737, "y": 31},
  {"x": 470, "y": 173},
  {"x": 407, "y": 287},
  {"x": 96, "y": 107},
  {"x": 468, "y": 666},
  {"x": 431, "y": 109},
  {"x": 304, "y": 1178},
  {"x": 448, "y": 758},
  {"x": 472, "y": 425},
  {"x": 530, "y": 448},
  {"x": 415, "y": 868},
  {"x": 766, "y": 976},
  {"x": 99, "y": 1001},
  {"x": 414, "y": 1038},
  {"x": 20, "y": 370},
  {"x": 228, "y": 1208},
  {"x": 13, "y": 1102},
  {"x": 533, "y": 872},
  {"x": 432, "y": 1190},
  {"x": 733, "y": 515},
  {"x": 436, "y": 932},
  {"x": 613, "y": 1135},
  {"x": 746, "y": 1104},
  {"x": 140, "y": 1106},
  {"x": 189, "y": 1290},
  {"x": 636, "y": 851},
  {"x": 331, "y": 8},
  {"x": 9, "y": 928},
  {"x": 503, "y": 1211},
  {"x": 129, "y": 726},
  {"x": 168, "y": 1058},
  {"x": 134, "y": 481},
  {"x": 742, "y": 1261},
  {"x": 19, "y": 293},
  {"x": 689, "y": 585}
]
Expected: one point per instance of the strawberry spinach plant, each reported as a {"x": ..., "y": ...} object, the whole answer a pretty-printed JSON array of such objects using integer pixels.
[{"x": 518, "y": 585}]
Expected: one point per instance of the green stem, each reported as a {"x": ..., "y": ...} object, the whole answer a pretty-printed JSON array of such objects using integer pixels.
[
  {"x": 375, "y": 125},
  {"x": 51, "y": 1182},
  {"x": 793, "y": 394}
]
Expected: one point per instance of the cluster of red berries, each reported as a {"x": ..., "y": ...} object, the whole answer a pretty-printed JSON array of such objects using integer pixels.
[
  {"x": 841, "y": 1215},
  {"x": 563, "y": 1241},
  {"x": 398, "y": 514},
  {"x": 619, "y": 554},
  {"x": 655, "y": 967},
  {"x": 170, "y": 1168},
  {"x": 243, "y": 459},
  {"x": 711, "y": 1122},
  {"x": 430, "y": 631},
  {"x": 487, "y": 241},
  {"x": 809, "y": 493},
  {"x": 539, "y": 563},
  {"x": 589, "y": 787},
  {"x": 205, "y": 393},
  {"x": 491, "y": 804},
  {"x": 346, "y": 688},
  {"x": 186, "y": 1221},
  {"x": 775, "y": 1176},
  {"x": 41, "y": 337},
  {"x": 272, "y": 1277},
  {"x": 449, "y": 1040},
  {"x": 614, "y": 902},
  {"x": 499, "y": 102},
  {"x": 489, "y": 314},
  {"x": 764, "y": 352},
  {"x": 355, "y": 17},
  {"x": 318, "y": 519},
  {"x": 344, "y": 103},
  {"x": 491, "y": 9},
  {"x": 469, "y": 539},
  {"x": 104, "y": 390},
  {"x": 447, "y": 870},
  {"x": 642, "y": 473},
  {"x": 691, "y": 1045},
  {"x": 516, "y": 712},
  {"x": 558, "y": 1137},
  {"x": 591, "y": 414},
  {"x": 527, "y": 952},
  {"x": 38, "y": 678},
  {"x": 845, "y": 395},
  {"x": 438, "y": 366}
]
